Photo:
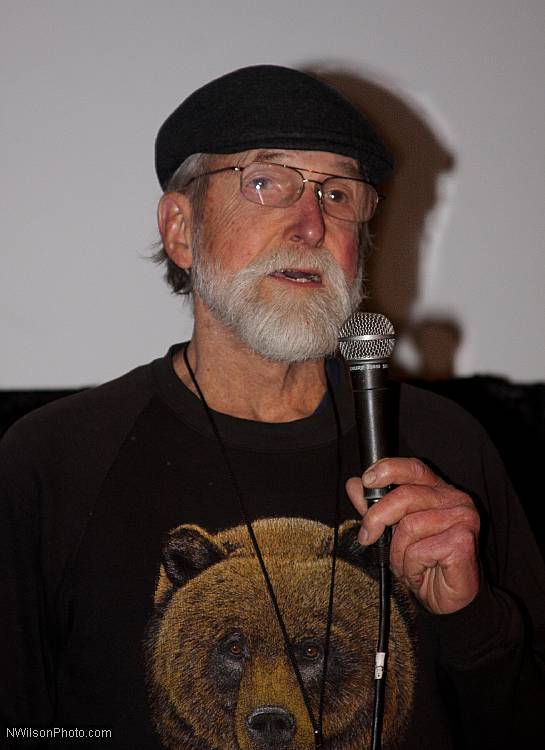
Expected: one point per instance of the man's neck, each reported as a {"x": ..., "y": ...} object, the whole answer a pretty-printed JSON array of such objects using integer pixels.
[{"x": 237, "y": 381}]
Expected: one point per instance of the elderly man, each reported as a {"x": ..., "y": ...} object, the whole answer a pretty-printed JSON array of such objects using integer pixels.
[{"x": 187, "y": 564}]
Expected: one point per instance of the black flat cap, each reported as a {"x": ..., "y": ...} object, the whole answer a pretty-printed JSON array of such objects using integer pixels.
[{"x": 268, "y": 106}]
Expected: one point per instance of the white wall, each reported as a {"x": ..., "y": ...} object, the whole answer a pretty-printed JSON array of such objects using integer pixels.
[{"x": 457, "y": 87}]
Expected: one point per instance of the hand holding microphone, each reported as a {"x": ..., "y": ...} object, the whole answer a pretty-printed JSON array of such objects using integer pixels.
[{"x": 435, "y": 526}]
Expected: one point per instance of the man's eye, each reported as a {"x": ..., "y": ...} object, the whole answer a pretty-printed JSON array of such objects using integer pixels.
[
  {"x": 259, "y": 183},
  {"x": 337, "y": 196}
]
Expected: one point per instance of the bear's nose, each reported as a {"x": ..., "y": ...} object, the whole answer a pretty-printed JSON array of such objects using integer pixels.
[{"x": 270, "y": 726}]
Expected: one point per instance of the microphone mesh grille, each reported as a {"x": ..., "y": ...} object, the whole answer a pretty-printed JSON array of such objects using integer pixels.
[{"x": 366, "y": 336}]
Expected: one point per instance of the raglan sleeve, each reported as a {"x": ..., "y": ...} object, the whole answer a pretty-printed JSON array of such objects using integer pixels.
[
  {"x": 27, "y": 684},
  {"x": 493, "y": 651}
]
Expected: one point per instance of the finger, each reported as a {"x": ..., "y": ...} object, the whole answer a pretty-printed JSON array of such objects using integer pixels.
[
  {"x": 400, "y": 471},
  {"x": 354, "y": 490},
  {"x": 405, "y": 500},
  {"x": 443, "y": 570},
  {"x": 423, "y": 525}
]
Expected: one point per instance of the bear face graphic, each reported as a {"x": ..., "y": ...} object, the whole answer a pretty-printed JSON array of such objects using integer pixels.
[{"x": 219, "y": 673}]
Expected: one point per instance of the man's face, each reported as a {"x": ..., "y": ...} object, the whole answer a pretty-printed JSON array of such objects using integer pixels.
[{"x": 283, "y": 279}]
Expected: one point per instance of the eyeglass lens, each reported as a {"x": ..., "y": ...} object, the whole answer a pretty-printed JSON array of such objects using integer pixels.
[{"x": 277, "y": 186}]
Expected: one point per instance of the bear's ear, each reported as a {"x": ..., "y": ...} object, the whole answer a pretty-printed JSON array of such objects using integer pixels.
[
  {"x": 189, "y": 550},
  {"x": 350, "y": 550},
  {"x": 348, "y": 547}
]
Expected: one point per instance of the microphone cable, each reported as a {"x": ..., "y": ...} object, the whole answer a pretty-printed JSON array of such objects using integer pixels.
[{"x": 382, "y": 552}]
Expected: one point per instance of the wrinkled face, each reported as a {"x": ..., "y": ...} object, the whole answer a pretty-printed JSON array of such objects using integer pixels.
[
  {"x": 284, "y": 279},
  {"x": 237, "y": 231}
]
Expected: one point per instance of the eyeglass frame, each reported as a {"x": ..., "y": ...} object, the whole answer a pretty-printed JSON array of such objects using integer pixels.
[{"x": 299, "y": 170}]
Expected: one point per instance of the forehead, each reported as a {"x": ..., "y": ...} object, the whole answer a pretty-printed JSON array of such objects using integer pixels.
[{"x": 323, "y": 162}]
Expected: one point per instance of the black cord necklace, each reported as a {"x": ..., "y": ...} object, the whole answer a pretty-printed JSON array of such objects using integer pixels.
[{"x": 317, "y": 723}]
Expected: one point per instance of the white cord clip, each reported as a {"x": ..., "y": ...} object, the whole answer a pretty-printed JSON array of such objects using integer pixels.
[{"x": 380, "y": 659}]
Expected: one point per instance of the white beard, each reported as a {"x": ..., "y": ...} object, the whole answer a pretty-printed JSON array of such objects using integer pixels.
[{"x": 289, "y": 324}]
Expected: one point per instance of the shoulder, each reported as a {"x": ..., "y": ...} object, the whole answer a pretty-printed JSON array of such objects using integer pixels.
[
  {"x": 421, "y": 408},
  {"x": 88, "y": 420},
  {"x": 441, "y": 432}
]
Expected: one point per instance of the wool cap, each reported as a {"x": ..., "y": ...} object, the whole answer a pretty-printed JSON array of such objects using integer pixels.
[{"x": 269, "y": 106}]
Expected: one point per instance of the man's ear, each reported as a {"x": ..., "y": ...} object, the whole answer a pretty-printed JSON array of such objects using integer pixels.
[{"x": 174, "y": 219}]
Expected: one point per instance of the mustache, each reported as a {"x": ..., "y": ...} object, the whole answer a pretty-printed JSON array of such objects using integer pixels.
[{"x": 280, "y": 258}]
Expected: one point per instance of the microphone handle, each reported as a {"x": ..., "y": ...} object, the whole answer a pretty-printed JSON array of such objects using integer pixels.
[{"x": 373, "y": 416}]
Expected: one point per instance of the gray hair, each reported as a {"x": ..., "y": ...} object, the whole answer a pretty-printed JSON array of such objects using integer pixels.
[{"x": 179, "y": 279}]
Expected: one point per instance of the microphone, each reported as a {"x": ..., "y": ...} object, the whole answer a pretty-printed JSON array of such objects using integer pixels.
[{"x": 366, "y": 341}]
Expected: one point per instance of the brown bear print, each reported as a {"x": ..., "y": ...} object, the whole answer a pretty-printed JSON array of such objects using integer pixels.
[{"x": 220, "y": 677}]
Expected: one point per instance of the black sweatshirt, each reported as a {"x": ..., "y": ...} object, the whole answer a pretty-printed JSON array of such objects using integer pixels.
[{"x": 92, "y": 486}]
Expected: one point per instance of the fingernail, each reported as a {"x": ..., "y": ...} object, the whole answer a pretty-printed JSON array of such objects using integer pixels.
[
  {"x": 369, "y": 477},
  {"x": 363, "y": 536}
]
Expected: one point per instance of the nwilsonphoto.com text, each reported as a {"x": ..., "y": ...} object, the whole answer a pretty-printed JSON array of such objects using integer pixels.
[{"x": 58, "y": 733}]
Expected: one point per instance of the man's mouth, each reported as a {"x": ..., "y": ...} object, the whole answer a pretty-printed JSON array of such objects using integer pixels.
[{"x": 298, "y": 275}]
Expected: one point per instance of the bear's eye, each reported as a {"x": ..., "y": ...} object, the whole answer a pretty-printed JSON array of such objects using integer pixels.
[
  {"x": 311, "y": 650},
  {"x": 234, "y": 647}
]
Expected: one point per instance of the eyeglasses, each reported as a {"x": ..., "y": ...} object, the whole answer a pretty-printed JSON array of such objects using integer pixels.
[{"x": 279, "y": 185}]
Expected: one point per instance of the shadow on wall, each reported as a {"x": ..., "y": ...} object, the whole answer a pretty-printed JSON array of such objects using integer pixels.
[
  {"x": 436, "y": 340},
  {"x": 512, "y": 413},
  {"x": 393, "y": 268}
]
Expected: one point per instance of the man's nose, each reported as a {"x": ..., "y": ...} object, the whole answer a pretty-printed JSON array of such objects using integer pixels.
[{"x": 306, "y": 218}]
